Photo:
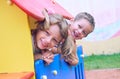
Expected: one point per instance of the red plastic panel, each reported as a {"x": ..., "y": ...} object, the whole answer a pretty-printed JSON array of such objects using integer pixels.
[{"x": 34, "y": 8}]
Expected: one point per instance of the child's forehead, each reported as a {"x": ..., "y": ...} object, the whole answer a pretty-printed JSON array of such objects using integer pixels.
[{"x": 82, "y": 21}]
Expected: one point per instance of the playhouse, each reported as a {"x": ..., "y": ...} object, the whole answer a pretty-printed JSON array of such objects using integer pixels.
[{"x": 16, "y": 54}]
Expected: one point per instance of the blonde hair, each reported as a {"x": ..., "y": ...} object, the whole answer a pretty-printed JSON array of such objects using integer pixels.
[
  {"x": 69, "y": 51},
  {"x": 68, "y": 46},
  {"x": 51, "y": 19}
]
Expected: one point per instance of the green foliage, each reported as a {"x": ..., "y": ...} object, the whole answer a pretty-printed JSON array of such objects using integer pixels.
[{"x": 102, "y": 61}]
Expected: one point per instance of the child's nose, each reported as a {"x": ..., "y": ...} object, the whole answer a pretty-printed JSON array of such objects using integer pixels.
[
  {"x": 80, "y": 32},
  {"x": 48, "y": 40}
]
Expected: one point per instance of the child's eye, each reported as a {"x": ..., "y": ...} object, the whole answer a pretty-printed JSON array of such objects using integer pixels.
[
  {"x": 55, "y": 41},
  {"x": 79, "y": 26},
  {"x": 47, "y": 33}
]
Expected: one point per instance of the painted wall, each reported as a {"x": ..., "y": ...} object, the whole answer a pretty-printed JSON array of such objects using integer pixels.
[
  {"x": 107, "y": 19},
  {"x": 15, "y": 40},
  {"x": 101, "y": 47}
]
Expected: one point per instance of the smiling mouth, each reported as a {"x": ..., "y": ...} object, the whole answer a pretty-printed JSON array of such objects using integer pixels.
[{"x": 75, "y": 34}]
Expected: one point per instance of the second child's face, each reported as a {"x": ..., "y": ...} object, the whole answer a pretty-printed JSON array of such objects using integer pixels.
[
  {"x": 80, "y": 29},
  {"x": 49, "y": 38}
]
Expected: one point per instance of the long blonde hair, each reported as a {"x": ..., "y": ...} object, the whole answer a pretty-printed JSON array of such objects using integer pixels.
[{"x": 51, "y": 19}]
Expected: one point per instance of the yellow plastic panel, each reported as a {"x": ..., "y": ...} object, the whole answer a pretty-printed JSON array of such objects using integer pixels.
[{"x": 15, "y": 40}]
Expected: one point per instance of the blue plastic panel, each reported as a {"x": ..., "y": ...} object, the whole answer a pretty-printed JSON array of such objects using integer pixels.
[
  {"x": 64, "y": 70},
  {"x": 79, "y": 69}
]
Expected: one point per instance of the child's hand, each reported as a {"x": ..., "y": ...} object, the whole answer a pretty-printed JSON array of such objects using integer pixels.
[
  {"x": 48, "y": 57},
  {"x": 55, "y": 50}
]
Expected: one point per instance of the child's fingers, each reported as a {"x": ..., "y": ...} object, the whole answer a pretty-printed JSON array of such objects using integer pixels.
[{"x": 48, "y": 61}]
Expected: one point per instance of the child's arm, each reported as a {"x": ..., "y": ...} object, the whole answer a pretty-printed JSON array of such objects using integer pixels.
[{"x": 72, "y": 58}]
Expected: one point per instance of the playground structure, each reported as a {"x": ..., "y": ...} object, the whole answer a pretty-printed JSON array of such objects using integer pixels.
[
  {"x": 16, "y": 51},
  {"x": 16, "y": 56},
  {"x": 59, "y": 69}
]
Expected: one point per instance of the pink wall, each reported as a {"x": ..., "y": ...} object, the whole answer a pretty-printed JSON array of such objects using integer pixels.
[{"x": 105, "y": 12}]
